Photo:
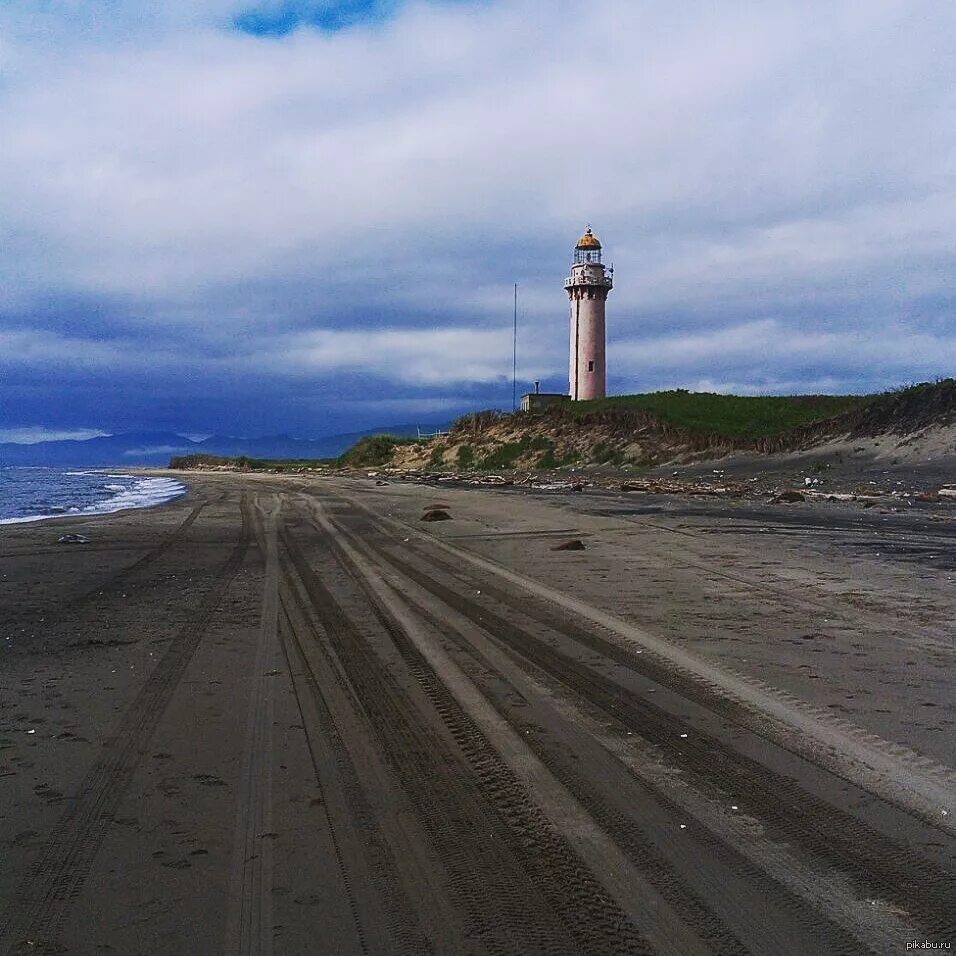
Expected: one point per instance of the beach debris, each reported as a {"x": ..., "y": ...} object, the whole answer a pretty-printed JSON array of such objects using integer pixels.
[
  {"x": 380, "y": 482},
  {"x": 73, "y": 539},
  {"x": 789, "y": 497},
  {"x": 436, "y": 514},
  {"x": 664, "y": 486},
  {"x": 575, "y": 544},
  {"x": 546, "y": 485}
]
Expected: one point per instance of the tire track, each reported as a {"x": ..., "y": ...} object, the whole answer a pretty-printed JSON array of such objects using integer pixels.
[
  {"x": 366, "y": 864},
  {"x": 902, "y": 778},
  {"x": 520, "y": 886},
  {"x": 32, "y": 918},
  {"x": 878, "y": 865},
  {"x": 152, "y": 555},
  {"x": 716, "y": 890},
  {"x": 249, "y": 929},
  {"x": 386, "y": 878},
  {"x": 471, "y": 718},
  {"x": 930, "y": 637},
  {"x": 606, "y": 789},
  {"x": 723, "y": 893},
  {"x": 63, "y": 609}
]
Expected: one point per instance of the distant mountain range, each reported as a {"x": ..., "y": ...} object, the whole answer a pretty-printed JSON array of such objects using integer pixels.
[{"x": 156, "y": 448}]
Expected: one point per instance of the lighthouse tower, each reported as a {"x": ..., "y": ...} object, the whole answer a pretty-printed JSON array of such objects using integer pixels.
[{"x": 588, "y": 286}]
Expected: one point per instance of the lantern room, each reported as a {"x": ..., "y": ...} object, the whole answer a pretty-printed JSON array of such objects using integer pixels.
[{"x": 588, "y": 248}]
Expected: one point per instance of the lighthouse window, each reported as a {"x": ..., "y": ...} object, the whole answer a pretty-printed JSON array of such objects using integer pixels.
[{"x": 590, "y": 366}]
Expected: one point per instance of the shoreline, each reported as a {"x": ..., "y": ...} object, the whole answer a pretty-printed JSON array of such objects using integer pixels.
[{"x": 125, "y": 499}]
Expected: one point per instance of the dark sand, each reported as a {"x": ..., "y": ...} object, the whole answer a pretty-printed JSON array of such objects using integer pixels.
[{"x": 286, "y": 716}]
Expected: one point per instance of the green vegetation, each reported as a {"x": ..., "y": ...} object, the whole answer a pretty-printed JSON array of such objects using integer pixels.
[
  {"x": 246, "y": 463},
  {"x": 477, "y": 422},
  {"x": 373, "y": 450},
  {"x": 507, "y": 454},
  {"x": 289, "y": 464},
  {"x": 621, "y": 419},
  {"x": 736, "y": 416},
  {"x": 437, "y": 458},
  {"x": 549, "y": 460},
  {"x": 199, "y": 461},
  {"x": 504, "y": 456},
  {"x": 607, "y": 453},
  {"x": 370, "y": 451}
]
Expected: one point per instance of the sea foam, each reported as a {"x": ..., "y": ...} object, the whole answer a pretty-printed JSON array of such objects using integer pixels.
[{"x": 49, "y": 495}]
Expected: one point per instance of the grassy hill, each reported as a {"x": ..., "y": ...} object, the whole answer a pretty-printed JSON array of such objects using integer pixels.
[
  {"x": 638, "y": 431},
  {"x": 733, "y": 416},
  {"x": 650, "y": 429}
]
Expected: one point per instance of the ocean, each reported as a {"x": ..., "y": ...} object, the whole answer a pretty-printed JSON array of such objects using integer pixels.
[{"x": 32, "y": 494}]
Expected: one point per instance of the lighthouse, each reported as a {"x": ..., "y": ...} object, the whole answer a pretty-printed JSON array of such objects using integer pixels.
[{"x": 588, "y": 286}]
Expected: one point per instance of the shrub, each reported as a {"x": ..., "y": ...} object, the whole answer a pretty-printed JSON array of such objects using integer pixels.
[
  {"x": 437, "y": 457},
  {"x": 476, "y": 422},
  {"x": 373, "y": 450},
  {"x": 504, "y": 456},
  {"x": 549, "y": 460},
  {"x": 507, "y": 454}
]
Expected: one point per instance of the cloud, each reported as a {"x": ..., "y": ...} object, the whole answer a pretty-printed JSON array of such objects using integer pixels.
[
  {"x": 425, "y": 357},
  {"x": 777, "y": 339},
  {"x": 148, "y": 450},
  {"x": 32, "y": 434},
  {"x": 356, "y": 204},
  {"x": 25, "y": 346}
]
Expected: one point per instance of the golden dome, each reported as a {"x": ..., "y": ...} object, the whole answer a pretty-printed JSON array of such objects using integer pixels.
[{"x": 588, "y": 241}]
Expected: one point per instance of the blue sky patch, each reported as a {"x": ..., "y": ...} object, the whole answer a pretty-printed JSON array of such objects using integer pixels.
[{"x": 281, "y": 18}]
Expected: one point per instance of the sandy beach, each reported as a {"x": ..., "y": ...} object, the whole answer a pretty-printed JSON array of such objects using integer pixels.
[{"x": 283, "y": 715}]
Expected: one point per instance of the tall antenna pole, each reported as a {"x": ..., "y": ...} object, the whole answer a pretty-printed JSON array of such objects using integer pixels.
[{"x": 514, "y": 358}]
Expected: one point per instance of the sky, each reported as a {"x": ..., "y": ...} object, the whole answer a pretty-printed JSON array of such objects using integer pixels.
[{"x": 306, "y": 217}]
